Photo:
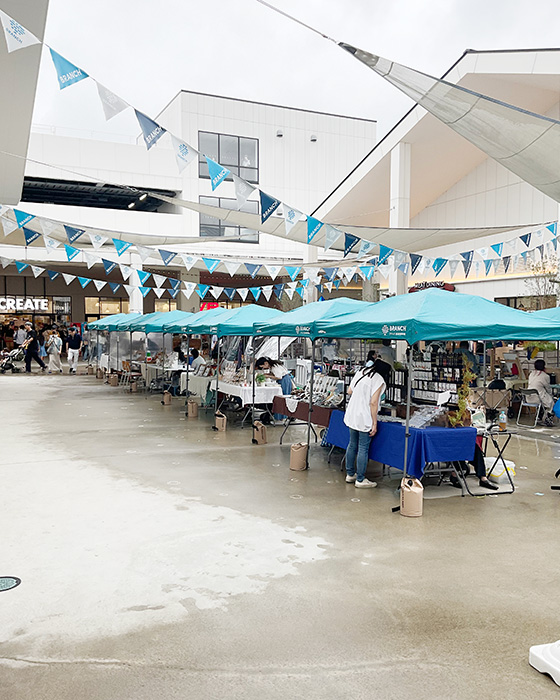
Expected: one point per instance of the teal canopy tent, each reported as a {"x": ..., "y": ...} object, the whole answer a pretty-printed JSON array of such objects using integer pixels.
[
  {"x": 550, "y": 315},
  {"x": 301, "y": 322},
  {"x": 241, "y": 321},
  {"x": 115, "y": 323},
  {"x": 162, "y": 322},
  {"x": 102, "y": 324},
  {"x": 202, "y": 322},
  {"x": 434, "y": 314},
  {"x": 181, "y": 325}
]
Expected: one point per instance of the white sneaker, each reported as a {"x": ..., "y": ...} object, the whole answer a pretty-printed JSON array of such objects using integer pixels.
[
  {"x": 365, "y": 484},
  {"x": 350, "y": 479}
]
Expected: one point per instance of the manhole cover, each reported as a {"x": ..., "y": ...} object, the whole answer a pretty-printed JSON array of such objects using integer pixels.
[{"x": 7, "y": 582}]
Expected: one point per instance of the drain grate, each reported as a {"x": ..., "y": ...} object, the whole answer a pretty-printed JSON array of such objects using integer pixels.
[{"x": 8, "y": 582}]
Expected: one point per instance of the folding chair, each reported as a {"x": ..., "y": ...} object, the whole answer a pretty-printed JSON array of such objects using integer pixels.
[{"x": 526, "y": 396}]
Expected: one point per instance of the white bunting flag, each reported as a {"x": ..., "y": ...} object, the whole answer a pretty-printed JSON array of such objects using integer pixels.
[
  {"x": 476, "y": 265},
  {"x": 243, "y": 291},
  {"x": 291, "y": 217},
  {"x": 272, "y": 270},
  {"x": 216, "y": 291},
  {"x": 99, "y": 284},
  {"x": 365, "y": 248},
  {"x": 290, "y": 292},
  {"x": 243, "y": 190},
  {"x": 453, "y": 265},
  {"x": 496, "y": 263},
  {"x": 329, "y": 286},
  {"x": 50, "y": 243},
  {"x": 292, "y": 285},
  {"x": 267, "y": 291},
  {"x": 398, "y": 257},
  {"x": 384, "y": 270},
  {"x": 144, "y": 252},
  {"x": 126, "y": 271},
  {"x": 68, "y": 278},
  {"x": 189, "y": 260},
  {"x": 189, "y": 289},
  {"x": 97, "y": 240},
  {"x": 5, "y": 261},
  {"x": 17, "y": 37},
  {"x": 332, "y": 235},
  {"x": 37, "y": 270},
  {"x": 483, "y": 252},
  {"x": 349, "y": 272},
  {"x": 232, "y": 267},
  {"x": 184, "y": 154},
  {"x": 112, "y": 104},
  {"x": 129, "y": 289},
  {"x": 91, "y": 259},
  {"x": 8, "y": 225},
  {"x": 538, "y": 237},
  {"x": 158, "y": 292},
  {"x": 159, "y": 279},
  {"x": 49, "y": 227}
]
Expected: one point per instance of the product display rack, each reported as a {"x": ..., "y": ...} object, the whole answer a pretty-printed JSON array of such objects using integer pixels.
[{"x": 434, "y": 373}]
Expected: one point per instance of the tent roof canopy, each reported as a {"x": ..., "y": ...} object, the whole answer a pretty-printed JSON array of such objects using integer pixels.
[
  {"x": 434, "y": 314},
  {"x": 242, "y": 321}
]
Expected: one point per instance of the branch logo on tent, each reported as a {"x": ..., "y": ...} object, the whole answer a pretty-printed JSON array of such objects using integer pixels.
[
  {"x": 303, "y": 329},
  {"x": 393, "y": 329}
]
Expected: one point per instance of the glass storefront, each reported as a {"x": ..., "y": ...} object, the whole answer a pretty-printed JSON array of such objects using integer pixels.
[{"x": 99, "y": 307}]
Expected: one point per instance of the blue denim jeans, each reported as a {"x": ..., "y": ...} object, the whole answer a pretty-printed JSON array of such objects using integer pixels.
[{"x": 358, "y": 445}]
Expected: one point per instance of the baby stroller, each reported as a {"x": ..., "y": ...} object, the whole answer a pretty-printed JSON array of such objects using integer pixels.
[{"x": 8, "y": 360}]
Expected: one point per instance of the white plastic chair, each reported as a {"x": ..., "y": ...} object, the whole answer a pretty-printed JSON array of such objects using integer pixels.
[{"x": 526, "y": 396}]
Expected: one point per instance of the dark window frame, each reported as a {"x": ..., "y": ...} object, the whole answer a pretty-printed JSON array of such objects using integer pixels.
[{"x": 235, "y": 168}]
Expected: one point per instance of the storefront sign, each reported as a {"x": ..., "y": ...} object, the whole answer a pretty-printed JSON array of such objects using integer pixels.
[
  {"x": 429, "y": 285},
  {"x": 23, "y": 304}
]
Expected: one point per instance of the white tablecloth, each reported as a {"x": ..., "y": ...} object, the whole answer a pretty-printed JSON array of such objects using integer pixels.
[
  {"x": 151, "y": 371},
  {"x": 104, "y": 362},
  {"x": 263, "y": 394},
  {"x": 197, "y": 385}
]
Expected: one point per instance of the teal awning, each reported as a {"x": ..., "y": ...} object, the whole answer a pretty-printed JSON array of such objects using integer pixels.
[
  {"x": 550, "y": 314},
  {"x": 163, "y": 321},
  {"x": 242, "y": 320},
  {"x": 124, "y": 323},
  {"x": 301, "y": 321},
  {"x": 434, "y": 314},
  {"x": 180, "y": 324},
  {"x": 107, "y": 323},
  {"x": 203, "y": 322}
]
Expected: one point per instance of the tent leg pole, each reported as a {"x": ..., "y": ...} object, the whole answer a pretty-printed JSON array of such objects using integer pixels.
[
  {"x": 217, "y": 378},
  {"x": 130, "y": 367},
  {"x": 310, "y": 403},
  {"x": 187, "y": 389},
  {"x": 484, "y": 371},
  {"x": 408, "y": 401},
  {"x": 253, "y": 388}
]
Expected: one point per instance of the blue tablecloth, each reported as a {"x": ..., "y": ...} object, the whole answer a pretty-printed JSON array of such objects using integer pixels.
[{"x": 424, "y": 444}]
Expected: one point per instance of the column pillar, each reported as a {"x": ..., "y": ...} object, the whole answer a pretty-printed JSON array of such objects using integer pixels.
[
  {"x": 311, "y": 255},
  {"x": 370, "y": 290},
  {"x": 193, "y": 303},
  {"x": 135, "y": 298},
  {"x": 399, "y": 216}
]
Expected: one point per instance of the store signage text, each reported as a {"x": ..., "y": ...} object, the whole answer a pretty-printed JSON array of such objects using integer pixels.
[{"x": 23, "y": 304}]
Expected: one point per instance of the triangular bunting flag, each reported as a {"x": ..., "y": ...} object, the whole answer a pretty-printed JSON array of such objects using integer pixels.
[
  {"x": 84, "y": 281},
  {"x": 112, "y": 104},
  {"x": 291, "y": 217},
  {"x": 158, "y": 291},
  {"x": 304, "y": 283},
  {"x": 554, "y": 242},
  {"x": 151, "y": 131},
  {"x": 290, "y": 293},
  {"x": 487, "y": 266},
  {"x": 97, "y": 240},
  {"x": 159, "y": 280},
  {"x": 201, "y": 290},
  {"x": 313, "y": 228},
  {"x": 367, "y": 271},
  {"x": 330, "y": 272},
  {"x": 36, "y": 270},
  {"x": 438, "y": 265},
  {"x": 483, "y": 252},
  {"x": 497, "y": 248},
  {"x": 91, "y": 259},
  {"x": 217, "y": 172},
  {"x": 252, "y": 269},
  {"x": 109, "y": 265},
  {"x": 243, "y": 291},
  {"x": 50, "y": 243},
  {"x": 114, "y": 286},
  {"x": 526, "y": 238},
  {"x": 273, "y": 270},
  {"x": 329, "y": 286},
  {"x": 267, "y": 291},
  {"x": 17, "y": 37},
  {"x": 126, "y": 271},
  {"x": 211, "y": 264},
  {"x": 145, "y": 290},
  {"x": 73, "y": 233},
  {"x": 8, "y": 225},
  {"x": 350, "y": 241},
  {"x": 21, "y": 266},
  {"x": 184, "y": 154},
  {"x": 68, "y": 278},
  {"x": 243, "y": 190},
  {"x": 99, "y": 284},
  {"x": 173, "y": 292},
  {"x": 506, "y": 260},
  {"x": 121, "y": 246},
  {"x": 189, "y": 289},
  {"x": 23, "y": 218},
  {"x": 540, "y": 248},
  {"x": 189, "y": 260},
  {"x": 279, "y": 290},
  {"x": 496, "y": 263},
  {"x": 552, "y": 228},
  {"x": 71, "y": 252},
  {"x": 30, "y": 235},
  {"x": 332, "y": 235},
  {"x": 415, "y": 261},
  {"x": 403, "y": 267},
  {"x": 336, "y": 284},
  {"x": 268, "y": 205},
  {"x": 293, "y": 272},
  {"x": 216, "y": 291},
  {"x": 365, "y": 248},
  {"x": 67, "y": 72},
  {"x": 229, "y": 292},
  {"x": 52, "y": 274},
  {"x": 175, "y": 284},
  {"x": 144, "y": 252},
  {"x": 48, "y": 226},
  {"x": 384, "y": 253},
  {"x": 143, "y": 276},
  {"x": 166, "y": 255},
  {"x": 300, "y": 291}
]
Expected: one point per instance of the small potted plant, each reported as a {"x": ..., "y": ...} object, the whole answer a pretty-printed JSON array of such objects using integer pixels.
[
  {"x": 462, "y": 416},
  {"x": 260, "y": 379}
]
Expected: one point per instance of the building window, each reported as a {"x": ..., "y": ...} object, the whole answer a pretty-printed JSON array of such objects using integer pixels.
[
  {"x": 165, "y": 305},
  {"x": 236, "y": 153},
  {"x": 209, "y": 226},
  {"x": 105, "y": 306}
]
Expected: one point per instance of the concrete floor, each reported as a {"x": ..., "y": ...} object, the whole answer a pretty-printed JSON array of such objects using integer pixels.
[{"x": 161, "y": 559}]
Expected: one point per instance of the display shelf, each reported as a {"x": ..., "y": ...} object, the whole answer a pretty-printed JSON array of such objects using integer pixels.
[{"x": 434, "y": 373}]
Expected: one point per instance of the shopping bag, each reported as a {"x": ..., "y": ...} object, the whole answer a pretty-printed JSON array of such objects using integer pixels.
[
  {"x": 298, "y": 457},
  {"x": 259, "y": 433},
  {"x": 412, "y": 497}
]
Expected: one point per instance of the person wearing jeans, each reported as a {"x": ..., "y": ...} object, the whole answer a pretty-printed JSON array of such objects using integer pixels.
[
  {"x": 366, "y": 389},
  {"x": 74, "y": 347}
]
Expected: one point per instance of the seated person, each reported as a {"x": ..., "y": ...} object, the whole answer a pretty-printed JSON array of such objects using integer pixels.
[
  {"x": 197, "y": 361},
  {"x": 275, "y": 369},
  {"x": 540, "y": 380},
  {"x": 480, "y": 470}
]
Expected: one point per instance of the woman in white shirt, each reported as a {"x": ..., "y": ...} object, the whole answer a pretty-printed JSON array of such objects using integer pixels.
[
  {"x": 197, "y": 361},
  {"x": 366, "y": 389},
  {"x": 540, "y": 380},
  {"x": 277, "y": 370}
]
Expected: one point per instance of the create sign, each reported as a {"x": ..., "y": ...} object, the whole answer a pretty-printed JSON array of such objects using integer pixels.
[{"x": 23, "y": 304}]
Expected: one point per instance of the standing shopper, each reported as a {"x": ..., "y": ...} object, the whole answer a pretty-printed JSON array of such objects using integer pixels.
[
  {"x": 74, "y": 347},
  {"x": 32, "y": 349},
  {"x": 366, "y": 390},
  {"x": 54, "y": 347}
]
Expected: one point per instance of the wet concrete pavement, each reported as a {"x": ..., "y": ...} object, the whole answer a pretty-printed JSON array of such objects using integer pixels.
[{"x": 159, "y": 558}]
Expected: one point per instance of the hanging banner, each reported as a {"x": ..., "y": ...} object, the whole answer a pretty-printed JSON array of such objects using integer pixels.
[
  {"x": 498, "y": 248},
  {"x": 229, "y": 292},
  {"x": 291, "y": 217},
  {"x": 109, "y": 265},
  {"x": 350, "y": 241},
  {"x": 97, "y": 240},
  {"x": 159, "y": 280},
  {"x": 99, "y": 284},
  {"x": 367, "y": 271},
  {"x": 487, "y": 266},
  {"x": 268, "y": 205},
  {"x": 365, "y": 248},
  {"x": 143, "y": 276},
  {"x": 184, "y": 154},
  {"x": 189, "y": 260},
  {"x": 329, "y": 286},
  {"x": 129, "y": 289},
  {"x": 21, "y": 266},
  {"x": 403, "y": 267},
  {"x": 167, "y": 256},
  {"x": 438, "y": 265},
  {"x": 114, "y": 286},
  {"x": 211, "y": 264},
  {"x": 330, "y": 272},
  {"x": 201, "y": 290},
  {"x": 121, "y": 246},
  {"x": 300, "y": 291},
  {"x": 189, "y": 289},
  {"x": 349, "y": 272},
  {"x": 36, "y": 270},
  {"x": 279, "y": 290},
  {"x": 273, "y": 270},
  {"x": 30, "y": 235},
  {"x": 243, "y": 190},
  {"x": 175, "y": 284},
  {"x": 313, "y": 228},
  {"x": 144, "y": 252},
  {"x": 50, "y": 243},
  {"x": 216, "y": 291},
  {"x": 91, "y": 259},
  {"x": 73, "y": 233},
  {"x": 267, "y": 291},
  {"x": 17, "y": 37},
  {"x": 290, "y": 293},
  {"x": 467, "y": 261},
  {"x": 145, "y": 291},
  {"x": 71, "y": 252},
  {"x": 112, "y": 104},
  {"x": 414, "y": 262},
  {"x": 158, "y": 291},
  {"x": 256, "y": 292},
  {"x": 217, "y": 172},
  {"x": 173, "y": 292},
  {"x": 68, "y": 278},
  {"x": 84, "y": 281},
  {"x": 8, "y": 225},
  {"x": 526, "y": 239},
  {"x": 506, "y": 260},
  {"x": 553, "y": 228},
  {"x": 126, "y": 271},
  {"x": 332, "y": 235},
  {"x": 22, "y": 218},
  {"x": 243, "y": 293},
  {"x": 252, "y": 269},
  {"x": 67, "y": 72},
  {"x": 52, "y": 274},
  {"x": 232, "y": 267},
  {"x": 293, "y": 272},
  {"x": 336, "y": 284},
  {"x": 151, "y": 131},
  {"x": 384, "y": 253}
]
